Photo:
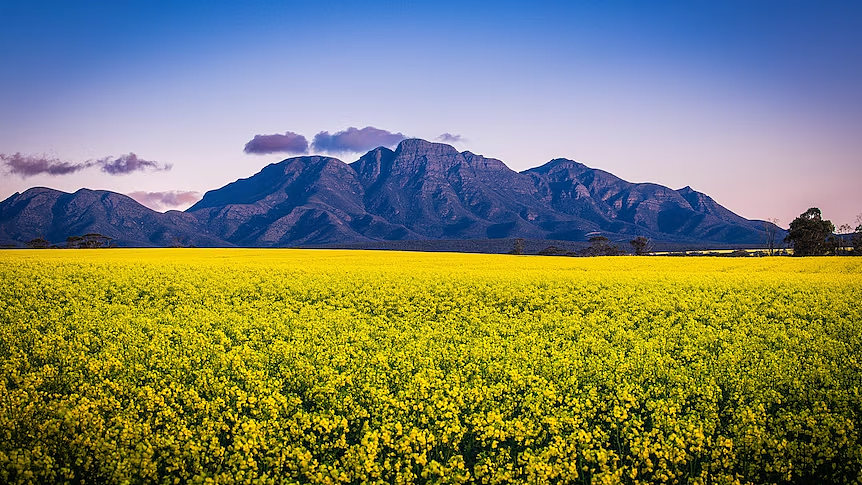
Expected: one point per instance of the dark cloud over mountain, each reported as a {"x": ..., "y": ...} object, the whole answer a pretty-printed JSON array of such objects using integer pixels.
[
  {"x": 355, "y": 140},
  {"x": 28, "y": 165},
  {"x": 289, "y": 142},
  {"x": 125, "y": 164}
]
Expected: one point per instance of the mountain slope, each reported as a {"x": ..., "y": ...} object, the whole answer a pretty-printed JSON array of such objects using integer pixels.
[
  {"x": 55, "y": 215},
  {"x": 639, "y": 208},
  {"x": 297, "y": 201}
]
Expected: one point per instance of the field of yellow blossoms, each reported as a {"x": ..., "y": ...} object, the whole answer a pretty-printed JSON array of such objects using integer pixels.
[{"x": 290, "y": 366}]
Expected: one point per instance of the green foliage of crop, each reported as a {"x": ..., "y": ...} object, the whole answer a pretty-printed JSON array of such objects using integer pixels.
[{"x": 282, "y": 366}]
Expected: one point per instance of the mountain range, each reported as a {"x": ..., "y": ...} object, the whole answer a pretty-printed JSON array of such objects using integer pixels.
[{"x": 419, "y": 191}]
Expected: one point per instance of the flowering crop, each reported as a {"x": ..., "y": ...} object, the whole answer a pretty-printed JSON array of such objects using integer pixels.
[{"x": 289, "y": 366}]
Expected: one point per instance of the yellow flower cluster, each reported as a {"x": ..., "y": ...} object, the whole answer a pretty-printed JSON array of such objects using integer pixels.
[{"x": 287, "y": 366}]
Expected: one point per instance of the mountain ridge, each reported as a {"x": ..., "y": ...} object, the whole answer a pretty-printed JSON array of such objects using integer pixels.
[
  {"x": 420, "y": 190},
  {"x": 41, "y": 212}
]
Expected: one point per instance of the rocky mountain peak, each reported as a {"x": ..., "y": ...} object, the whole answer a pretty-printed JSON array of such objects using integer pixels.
[
  {"x": 560, "y": 167},
  {"x": 478, "y": 162},
  {"x": 370, "y": 166},
  {"x": 414, "y": 156}
]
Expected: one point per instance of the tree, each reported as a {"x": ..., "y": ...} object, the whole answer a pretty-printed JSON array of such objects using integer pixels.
[
  {"x": 857, "y": 237},
  {"x": 770, "y": 228},
  {"x": 809, "y": 232},
  {"x": 74, "y": 242},
  {"x": 641, "y": 245},
  {"x": 517, "y": 246},
  {"x": 601, "y": 246},
  {"x": 38, "y": 243},
  {"x": 551, "y": 251},
  {"x": 88, "y": 241}
]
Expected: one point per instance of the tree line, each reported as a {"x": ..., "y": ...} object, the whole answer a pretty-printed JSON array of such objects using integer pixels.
[
  {"x": 87, "y": 241},
  {"x": 811, "y": 235},
  {"x": 808, "y": 235}
]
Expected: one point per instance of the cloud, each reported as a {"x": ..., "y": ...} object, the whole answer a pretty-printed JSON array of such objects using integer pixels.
[
  {"x": 28, "y": 166},
  {"x": 125, "y": 164},
  {"x": 166, "y": 200},
  {"x": 289, "y": 142},
  {"x": 449, "y": 138},
  {"x": 355, "y": 140}
]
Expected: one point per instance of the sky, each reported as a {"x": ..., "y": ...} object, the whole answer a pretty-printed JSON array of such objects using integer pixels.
[{"x": 755, "y": 103}]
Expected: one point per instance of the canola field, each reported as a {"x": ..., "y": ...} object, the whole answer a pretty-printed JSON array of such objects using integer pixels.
[{"x": 288, "y": 366}]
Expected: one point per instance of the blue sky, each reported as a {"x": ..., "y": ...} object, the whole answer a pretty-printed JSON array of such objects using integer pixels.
[{"x": 756, "y": 103}]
